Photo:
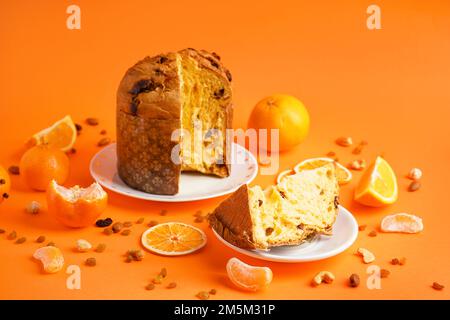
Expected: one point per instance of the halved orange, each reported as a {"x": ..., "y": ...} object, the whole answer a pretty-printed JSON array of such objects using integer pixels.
[
  {"x": 402, "y": 222},
  {"x": 283, "y": 174},
  {"x": 76, "y": 207},
  {"x": 173, "y": 239},
  {"x": 378, "y": 185},
  {"x": 51, "y": 258},
  {"x": 248, "y": 277},
  {"x": 62, "y": 135},
  {"x": 343, "y": 175}
]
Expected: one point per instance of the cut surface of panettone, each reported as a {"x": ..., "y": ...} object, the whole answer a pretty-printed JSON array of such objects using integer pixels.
[{"x": 300, "y": 206}]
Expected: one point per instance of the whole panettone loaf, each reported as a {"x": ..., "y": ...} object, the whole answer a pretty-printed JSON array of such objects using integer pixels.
[{"x": 173, "y": 111}]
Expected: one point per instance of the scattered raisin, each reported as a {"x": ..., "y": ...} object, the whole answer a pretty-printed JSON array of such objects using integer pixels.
[
  {"x": 414, "y": 186},
  {"x": 51, "y": 244},
  {"x": 152, "y": 223},
  {"x": 103, "y": 132},
  {"x": 126, "y": 232},
  {"x": 100, "y": 247},
  {"x": 5, "y": 195},
  {"x": 116, "y": 227},
  {"x": 78, "y": 127},
  {"x": 72, "y": 151},
  {"x": 157, "y": 279},
  {"x": 437, "y": 286},
  {"x": 136, "y": 255},
  {"x": 150, "y": 286},
  {"x": 397, "y": 261},
  {"x": 90, "y": 262},
  {"x": 40, "y": 239},
  {"x": 331, "y": 154},
  {"x": 384, "y": 273},
  {"x": 127, "y": 224},
  {"x": 14, "y": 170},
  {"x": 108, "y": 231},
  {"x": 163, "y": 212},
  {"x": 103, "y": 222},
  {"x": 372, "y": 233},
  {"x": 140, "y": 220},
  {"x": 172, "y": 285},
  {"x": 260, "y": 202},
  {"x": 354, "y": 280},
  {"x": 92, "y": 121},
  {"x": 163, "y": 272},
  {"x": 362, "y": 227},
  {"x": 2, "y": 181},
  {"x": 21, "y": 240},
  {"x": 212, "y": 291},
  {"x": 198, "y": 219},
  {"x": 2, "y": 231},
  {"x": 103, "y": 142},
  {"x": 203, "y": 295}
]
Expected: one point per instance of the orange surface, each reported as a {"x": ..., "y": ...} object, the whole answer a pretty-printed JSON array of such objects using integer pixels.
[{"x": 389, "y": 86}]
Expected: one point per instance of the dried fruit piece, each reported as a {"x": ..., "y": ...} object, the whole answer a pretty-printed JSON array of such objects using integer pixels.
[
  {"x": 92, "y": 121},
  {"x": 102, "y": 223},
  {"x": 21, "y": 240},
  {"x": 150, "y": 286},
  {"x": 76, "y": 207},
  {"x": 40, "y": 239},
  {"x": 437, "y": 286},
  {"x": 322, "y": 276},
  {"x": 51, "y": 244},
  {"x": 158, "y": 279},
  {"x": 78, "y": 127},
  {"x": 5, "y": 184},
  {"x": 136, "y": 255},
  {"x": 248, "y": 277},
  {"x": 83, "y": 245},
  {"x": 343, "y": 175},
  {"x": 173, "y": 238},
  {"x": 152, "y": 223},
  {"x": 140, "y": 220},
  {"x": 384, "y": 273},
  {"x": 397, "y": 261},
  {"x": 354, "y": 280},
  {"x": 108, "y": 231},
  {"x": 14, "y": 170},
  {"x": 117, "y": 227},
  {"x": 372, "y": 233},
  {"x": 126, "y": 232},
  {"x": 344, "y": 141},
  {"x": 103, "y": 142},
  {"x": 2, "y": 231},
  {"x": 415, "y": 174},
  {"x": 33, "y": 207},
  {"x": 378, "y": 185},
  {"x": 357, "y": 165},
  {"x": 402, "y": 222},
  {"x": 163, "y": 212},
  {"x": 61, "y": 135},
  {"x": 12, "y": 235},
  {"x": 172, "y": 285},
  {"x": 362, "y": 227},
  {"x": 367, "y": 256},
  {"x": 91, "y": 262},
  {"x": 213, "y": 291},
  {"x": 127, "y": 224},
  {"x": 51, "y": 258},
  {"x": 103, "y": 132},
  {"x": 414, "y": 186},
  {"x": 163, "y": 272},
  {"x": 100, "y": 247},
  {"x": 202, "y": 295}
]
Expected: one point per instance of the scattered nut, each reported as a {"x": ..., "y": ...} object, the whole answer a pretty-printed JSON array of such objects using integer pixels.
[
  {"x": 323, "y": 276},
  {"x": 384, "y": 273},
  {"x": 172, "y": 285},
  {"x": 90, "y": 262},
  {"x": 437, "y": 286},
  {"x": 357, "y": 165},
  {"x": 92, "y": 121},
  {"x": 14, "y": 170},
  {"x": 21, "y": 240},
  {"x": 100, "y": 247},
  {"x": 367, "y": 256},
  {"x": 344, "y": 141},
  {"x": 372, "y": 233},
  {"x": 40, "y": 239},
  {"x": 203, "y": 295},
  {"x": 414, "y": 186},
  {"x": 103, "y": 142},
  {"x": 117, "y": 227},
  {"x": 83, "y": 245},
  {"x": 415, "y": 174},
  {"x": 33, "y": 207},
  {"x": 354, "y": 280}
]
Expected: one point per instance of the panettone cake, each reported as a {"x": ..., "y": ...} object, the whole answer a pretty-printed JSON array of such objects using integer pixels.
[
  {"x": 173, "y": 111},
  {"x": 300, "y": 206}
]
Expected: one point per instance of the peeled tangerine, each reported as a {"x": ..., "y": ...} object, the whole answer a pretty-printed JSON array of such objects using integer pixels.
[
  {"x": 402, "y": 222},
  {"x": 76, "y": 207},
  {"x": 248, "y": 277},
  {"x": 51, "y": 258}
]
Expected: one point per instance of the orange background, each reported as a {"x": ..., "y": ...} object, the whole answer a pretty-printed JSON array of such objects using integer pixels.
[{"x": 389, "y": 87}]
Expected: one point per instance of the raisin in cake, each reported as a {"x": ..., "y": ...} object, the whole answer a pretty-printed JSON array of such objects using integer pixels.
[
  {"x": 300, "y": 206},
  {"x": 172, "y": 114}
]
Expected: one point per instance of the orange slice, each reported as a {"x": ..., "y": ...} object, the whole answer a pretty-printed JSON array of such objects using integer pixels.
[
  {"x": 343, "y": 175},
  {"x": 173, "y": 239},
  {"x": 62, "y": 135},
  {"x": 402, "y": 222},
  {"x": 76, "y": 207},
  {"x": 51, "y": 258},
  {"x": 248, "y": 277},
  {"x": 283, "y": 174},
  {"x": 378, "y": 185}
]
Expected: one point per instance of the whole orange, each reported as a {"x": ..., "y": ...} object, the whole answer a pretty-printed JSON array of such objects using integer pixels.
[
  {"x": 41, "y": 164},
  {"x": 5, "y": 184},
  {"x": 285, "y": 113}
]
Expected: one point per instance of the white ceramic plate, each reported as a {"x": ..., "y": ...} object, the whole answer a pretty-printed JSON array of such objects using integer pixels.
[
  {"x": 193, "y": 186},
  {"x": 345, "y": 232}
]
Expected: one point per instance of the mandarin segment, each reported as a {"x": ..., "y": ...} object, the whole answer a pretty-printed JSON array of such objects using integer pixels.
[
  {"x": 402, "y": 223},
  {"x": 173, "y": 238},
  {"x": 51, "y": 258},
  {"x": 248, "y": 277}
]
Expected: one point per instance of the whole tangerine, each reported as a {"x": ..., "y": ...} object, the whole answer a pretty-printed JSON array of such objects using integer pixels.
[
  {"x": 285, "y": 113},
  {"x": 41, "y": 164}
]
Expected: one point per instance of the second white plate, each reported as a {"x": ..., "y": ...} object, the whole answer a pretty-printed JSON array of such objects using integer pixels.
[
  {"x": 192, "y": 187},
  {"x": 345, "y": 232}
]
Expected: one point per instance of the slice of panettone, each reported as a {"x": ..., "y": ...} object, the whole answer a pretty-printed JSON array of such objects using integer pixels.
[{"x": 289, "y": 213}]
